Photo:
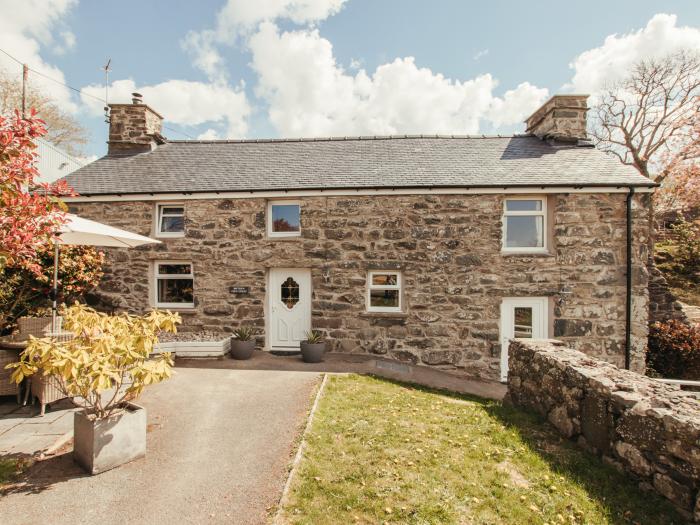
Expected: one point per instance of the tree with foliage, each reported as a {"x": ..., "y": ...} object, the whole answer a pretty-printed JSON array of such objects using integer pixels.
[
  {"x": 30, "y": 214},
  {"x": 680, "y": 190},
  {"x": 26, "y": 293},
  {"x": 63, "y": 130},
  {"x": 687, "y": 245},
  {"x": 650, "y": 113},
  {"x": 649, "y": 120}
]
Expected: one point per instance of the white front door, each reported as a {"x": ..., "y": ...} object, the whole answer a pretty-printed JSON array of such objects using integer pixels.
[
  {"x": 289, "y": 307},
  {"x": 523, "y": 318}
]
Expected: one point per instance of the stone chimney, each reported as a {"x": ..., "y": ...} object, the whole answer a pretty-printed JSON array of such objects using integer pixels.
[
  {"x": 133, "y": 128},
  {"x": 562, "y": 117}
]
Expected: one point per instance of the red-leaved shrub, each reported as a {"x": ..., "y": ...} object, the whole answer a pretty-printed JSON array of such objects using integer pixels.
[{"x": 674, "y": 350}]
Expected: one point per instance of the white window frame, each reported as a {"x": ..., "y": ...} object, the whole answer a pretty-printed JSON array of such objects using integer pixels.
[
  {"x": 159, "y": 217},
  {"x": 535, "y": 213},
  {"x": 157, "y": 276},
  {"x": 398, "y": 286},
  {"x": 270, "y": 204}
]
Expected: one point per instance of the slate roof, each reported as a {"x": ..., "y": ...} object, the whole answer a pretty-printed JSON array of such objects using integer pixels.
[{"x": 358, "y": 162}]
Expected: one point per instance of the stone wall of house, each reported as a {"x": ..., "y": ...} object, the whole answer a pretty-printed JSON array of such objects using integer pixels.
[
  {"x": 646, "y": 428},
  {"x": 447, "y": 246}
]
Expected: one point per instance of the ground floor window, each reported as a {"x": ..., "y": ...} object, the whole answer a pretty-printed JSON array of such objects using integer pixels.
[
  {"x": 384, "y": 291},
  {"x": 174, "y": 285}
]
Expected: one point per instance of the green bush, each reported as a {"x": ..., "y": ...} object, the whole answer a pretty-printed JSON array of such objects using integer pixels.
[
  {"x": 26, "y": 293},
  {"x": 674, "y": 350},
  {"x": 687, "y": 245}
]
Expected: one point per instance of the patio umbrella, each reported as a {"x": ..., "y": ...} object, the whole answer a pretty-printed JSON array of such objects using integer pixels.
[{"x": 84, "y": 232}]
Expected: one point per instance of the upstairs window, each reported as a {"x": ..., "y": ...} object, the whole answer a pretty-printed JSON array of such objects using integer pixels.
[
  {"x": 171, "y": 220},
  {"x": 174, "y": 285},
  {"x": 284, "y": 219},
  {"x": 524, "y": 225},
  {"x": 384, "y": 291}
]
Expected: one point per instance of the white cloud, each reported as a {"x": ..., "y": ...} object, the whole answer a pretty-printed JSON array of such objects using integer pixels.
[
  {"x": 245, "y": 15},
  {"x": 240, "y": 17},
  {"x": 610, "y": 61},
  {"x": 209, "y": 134},
  {"x": 309, "y": 94},
  {"x": 201, "y": 46},
  {"x": 480, "y": 54},
  {"x": 68, "y": 43},
  {"x": 25, "y": 28},
  {"x": 515, "y": 105},
  {"x": 356, "y": 63},
  {"x": 182, "y": 102}
]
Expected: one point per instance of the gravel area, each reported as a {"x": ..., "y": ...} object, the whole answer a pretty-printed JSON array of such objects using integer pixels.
[{"x": 192, "y": 337}]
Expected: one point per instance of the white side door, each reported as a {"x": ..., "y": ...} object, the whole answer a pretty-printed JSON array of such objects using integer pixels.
[
  {"x": 289, "y": 306},
  {"x": 523, "y": 318}
]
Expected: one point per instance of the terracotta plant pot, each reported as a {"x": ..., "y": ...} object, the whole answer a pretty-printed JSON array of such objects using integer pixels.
[
  {"x": 102, "y": 444},
  {"x": 242, "y": 349},
  {"x": 312, "y": 353}
]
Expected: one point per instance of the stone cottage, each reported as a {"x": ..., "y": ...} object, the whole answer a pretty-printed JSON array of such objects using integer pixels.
[{"x": 431, "y": 250}]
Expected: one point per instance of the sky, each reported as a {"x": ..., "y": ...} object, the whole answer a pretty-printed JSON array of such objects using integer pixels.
[{"x": 218, "y": 69}]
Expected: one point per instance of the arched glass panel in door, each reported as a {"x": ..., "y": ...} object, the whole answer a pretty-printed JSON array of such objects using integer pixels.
[{"x": 290, "y": 293}]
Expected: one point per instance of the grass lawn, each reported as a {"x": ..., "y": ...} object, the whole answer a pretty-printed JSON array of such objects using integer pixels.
[
  {"x": 10, "y": 468},
  {"x": 384, "y": 452}
]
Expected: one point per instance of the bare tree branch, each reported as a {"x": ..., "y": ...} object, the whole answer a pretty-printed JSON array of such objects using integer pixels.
[
  {"x": 650, "y": 113},
  {"x": 63, "y": 130}
]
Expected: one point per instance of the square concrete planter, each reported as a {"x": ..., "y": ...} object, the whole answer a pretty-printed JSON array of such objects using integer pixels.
[{"x": 103, "y": 444}]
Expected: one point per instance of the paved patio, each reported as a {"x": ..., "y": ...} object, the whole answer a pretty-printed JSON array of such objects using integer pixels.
[
  {"x": 219, "y": 445},
  {"x": 23, "y": 432}
]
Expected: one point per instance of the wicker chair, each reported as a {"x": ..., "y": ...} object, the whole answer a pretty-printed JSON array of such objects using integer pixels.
[
  {"x": 47, "y": 389},
  {"x": 37, "y": 326},
  {"x": 7, "y": 386}
]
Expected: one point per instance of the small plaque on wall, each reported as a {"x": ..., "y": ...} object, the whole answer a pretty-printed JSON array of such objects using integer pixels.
[{"x": 239, "y": 290}]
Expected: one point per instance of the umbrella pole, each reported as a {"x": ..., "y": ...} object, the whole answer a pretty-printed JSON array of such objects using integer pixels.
[{"x": 54, "y": 306}]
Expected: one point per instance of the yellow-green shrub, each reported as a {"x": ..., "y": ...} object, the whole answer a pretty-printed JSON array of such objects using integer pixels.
[{"x": 108, "y": 352}]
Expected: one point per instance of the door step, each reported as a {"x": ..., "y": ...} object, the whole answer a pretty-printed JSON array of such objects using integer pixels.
[{"x": 285, "y": 352}]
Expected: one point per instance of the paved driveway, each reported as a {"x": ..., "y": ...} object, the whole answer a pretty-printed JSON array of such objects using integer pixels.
[{"x": 219, "y": 444}]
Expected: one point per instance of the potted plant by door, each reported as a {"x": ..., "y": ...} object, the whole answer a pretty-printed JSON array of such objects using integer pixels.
[
  {"x": 243, "y": 342},
  {"x": 104, "y": 368},
  {"x": 313, "y": 348}
]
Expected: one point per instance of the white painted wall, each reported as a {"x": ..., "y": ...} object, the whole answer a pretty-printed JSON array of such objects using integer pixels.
[{"x": 54, "y": 163}]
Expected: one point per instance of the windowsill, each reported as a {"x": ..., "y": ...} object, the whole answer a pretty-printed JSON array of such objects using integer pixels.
[
  {"x": 283, "y": 237},
  {"x": 184, "y": 310},
  {"x": 534, "y": 253},
  {"x": 169, "y": 236},
  {"x": 392, "y": 315}
]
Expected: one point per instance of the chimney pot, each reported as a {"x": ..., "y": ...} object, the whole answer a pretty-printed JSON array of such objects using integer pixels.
[
  {"x": 562, "y": 117},
  {"x": 137, "y": 98}
]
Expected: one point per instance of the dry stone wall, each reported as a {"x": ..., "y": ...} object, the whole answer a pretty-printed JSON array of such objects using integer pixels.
[
  {"x": 642, "y": 426},
  {"x": 447, "y": 246},
  {"x": 663, "y": 304}
]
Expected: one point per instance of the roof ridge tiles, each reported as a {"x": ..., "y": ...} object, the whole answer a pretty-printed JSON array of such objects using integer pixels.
[{"x": 346, "y": 138}]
